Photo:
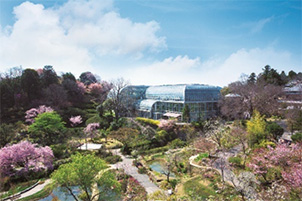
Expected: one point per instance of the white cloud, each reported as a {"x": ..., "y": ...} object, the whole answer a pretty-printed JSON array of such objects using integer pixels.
[
  {"x": 169, "y": 71},
  {"x": 215, "y": 71},
  {"x": 71, "y": 36},
  {"x": 258, "y": 26}
]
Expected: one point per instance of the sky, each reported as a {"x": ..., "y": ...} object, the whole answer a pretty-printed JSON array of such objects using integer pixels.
[{"x": 151, "y": 42}]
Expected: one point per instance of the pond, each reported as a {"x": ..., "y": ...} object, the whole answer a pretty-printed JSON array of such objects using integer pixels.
[
  {"x": 61, "y": 195},
  {"x": 65, "y": 196},
  {"x": 158, "y": 167}
]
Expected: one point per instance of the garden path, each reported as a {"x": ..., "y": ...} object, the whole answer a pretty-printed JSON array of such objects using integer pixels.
[
  {"x": 143, "y": 179},
  {"x": 34, "y": 190},
  {"x": 221, "y": 164}
]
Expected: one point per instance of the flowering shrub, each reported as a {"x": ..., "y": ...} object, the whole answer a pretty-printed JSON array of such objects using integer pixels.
[
  {"x": 32, "y": 113},
  {"x": 167, "y": 125},
  {"x": 95, "y": 88},
  {"x": 284, "y": 157},
  {"x": 75, "y": 120},
  {"x": 91, "y": 129},
  {"x": 135, "y": 191},
  {"x": 81, "y": 87},
  {"x": 24, "y": 157}
]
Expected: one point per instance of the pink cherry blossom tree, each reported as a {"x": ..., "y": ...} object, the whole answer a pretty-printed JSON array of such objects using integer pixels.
[
  {"x": 95, "y": 89},
  {"x": 23, "y": 158},
  {"x": 75, "y": 120},
  {"x": 90, "y": 131},
  {"x": 81, "y": 87},
  {"x": 167, "y": 125},
  {"x": 284, "y": 157}
]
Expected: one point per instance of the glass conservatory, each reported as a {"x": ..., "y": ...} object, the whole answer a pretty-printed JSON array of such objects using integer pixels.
[{"x": 162, "y": 101}]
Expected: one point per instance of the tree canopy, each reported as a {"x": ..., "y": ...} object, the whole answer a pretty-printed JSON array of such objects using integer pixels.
[
  {"x": 47, "y": 129},
  {"x": 85, "y": 171},
  {"x": 23, "y": 158}
]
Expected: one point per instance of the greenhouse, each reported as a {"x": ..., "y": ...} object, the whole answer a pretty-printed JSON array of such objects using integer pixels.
[{"x": 167, "y": 101}]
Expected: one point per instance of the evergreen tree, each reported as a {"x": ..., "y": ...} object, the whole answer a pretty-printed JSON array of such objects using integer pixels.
[
  {"x": 49, "y": 76},
  {"x": 186, "y": 113},
  {"x": 30, "y": 83},
  {"x": 252, "y": 78}
]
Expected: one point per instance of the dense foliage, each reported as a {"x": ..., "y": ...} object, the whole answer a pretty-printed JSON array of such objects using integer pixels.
[
  {"x": 85, "y": 171},
  {"x": 48, "y": 128}
]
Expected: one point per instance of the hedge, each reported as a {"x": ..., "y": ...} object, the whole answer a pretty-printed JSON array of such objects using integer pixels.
[{"x": 150, "y": 122}]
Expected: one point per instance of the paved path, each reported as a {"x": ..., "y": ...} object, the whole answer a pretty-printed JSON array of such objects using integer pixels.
[
  {"x": 36, "y": 189},
  {"x": 90, "y": 146},
  {"x": 143, "y": 179}
]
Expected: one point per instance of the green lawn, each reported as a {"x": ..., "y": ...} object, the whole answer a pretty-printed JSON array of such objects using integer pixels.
[{"x": 196, "y": 189}]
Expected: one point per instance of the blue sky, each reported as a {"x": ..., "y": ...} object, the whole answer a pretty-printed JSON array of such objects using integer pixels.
[{"x": 153, "y": 42}]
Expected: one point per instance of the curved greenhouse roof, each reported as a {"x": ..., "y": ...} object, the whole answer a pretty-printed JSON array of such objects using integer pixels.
[
  {"x": 146, "y": 105},
  {"x": 166, "y": 92},
  {"x": 183, "y": 92}
]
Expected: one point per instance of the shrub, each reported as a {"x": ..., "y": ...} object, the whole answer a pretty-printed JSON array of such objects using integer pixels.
[
  {"x": 174, "y": 183},
  {"x": 274, "y": 129},
  {"x": 142, "y": 170},
  {"x": 113, "y": 159},
  {"x": 154, "y": 151},
  {"x": 60, "y": 151},
  {"x": 150, "y": 122},
  {"x": 201, "y": 156},
  {"x": 297, "y": 137},
  {"x": 177, "y": 143},
  {"x": 94, "y": 119},
  {"x": 265, "y": 144},
  {"x": 235, "y": 160},
  {"x": 165, "y": 185}
]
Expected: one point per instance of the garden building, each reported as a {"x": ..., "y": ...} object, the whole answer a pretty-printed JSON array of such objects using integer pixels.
[{"x": 168, "y": 101}]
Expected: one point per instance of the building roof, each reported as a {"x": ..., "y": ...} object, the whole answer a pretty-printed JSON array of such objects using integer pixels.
[
  {"x": 232, "y": 95},
  {"x": 173, "y": 115},
  {"x": 181, "y": 92},
  {"x": 166, "y": 92},
  {"x": 146, "y": 104}
]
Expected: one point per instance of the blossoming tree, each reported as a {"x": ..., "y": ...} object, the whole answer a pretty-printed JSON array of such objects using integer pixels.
[
  {"x": 24, "y": 158},
  {"x": 75, "y": 120},
  {"x": 284, "y": 159}
]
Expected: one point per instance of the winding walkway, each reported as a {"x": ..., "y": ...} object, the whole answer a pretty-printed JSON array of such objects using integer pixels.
[
  {"x": 221, "y": 164},
  {"x": 34, "y": 190},
  {"x": 143, "y": 179}
]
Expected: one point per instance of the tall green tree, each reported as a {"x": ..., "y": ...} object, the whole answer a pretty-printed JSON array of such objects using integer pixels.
[
  {"x": 252, "y": 78},
  {"x": 48, "y": 129},
  {"x": 7, "y": 134},
  {"x": 271, "y": 76},
  {"x": 186, "y": 113},
  {"x": 292, "y": 74},
  {"x": 30, "y": 83},
  {"x": 69, "y": 76},
  {"x": 85, "y": 172},
  {"x": 10, "y": 88},
  {"x": 87, "y": 78},
  {"x": 49, "y": 76}
]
